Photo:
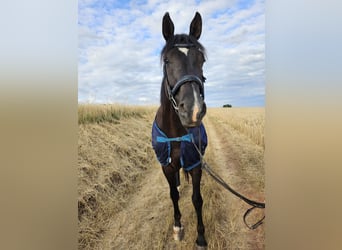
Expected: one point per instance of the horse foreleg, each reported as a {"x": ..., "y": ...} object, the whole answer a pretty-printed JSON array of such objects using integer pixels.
[
  {"x": 197, "y": 201},
  {"x": 178, "y": 230}
]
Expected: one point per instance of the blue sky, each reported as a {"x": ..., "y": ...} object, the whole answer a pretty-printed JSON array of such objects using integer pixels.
[{"x": 120, "y": 44}]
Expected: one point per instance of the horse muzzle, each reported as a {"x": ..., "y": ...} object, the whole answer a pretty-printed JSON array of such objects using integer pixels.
[{"x": 191, "y": 114}]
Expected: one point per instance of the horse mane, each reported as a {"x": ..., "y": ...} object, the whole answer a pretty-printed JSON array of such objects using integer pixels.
[{"x": 177, "y": 39}]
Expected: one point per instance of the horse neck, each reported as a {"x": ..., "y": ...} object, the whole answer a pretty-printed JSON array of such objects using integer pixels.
[{"x": 167, "y": 118}]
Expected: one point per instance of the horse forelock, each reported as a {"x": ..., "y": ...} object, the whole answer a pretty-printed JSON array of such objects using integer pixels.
[{"x": 181, "y": 39}]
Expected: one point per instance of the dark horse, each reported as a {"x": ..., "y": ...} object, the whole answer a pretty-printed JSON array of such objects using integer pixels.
[{"x": 178, "y": 122}]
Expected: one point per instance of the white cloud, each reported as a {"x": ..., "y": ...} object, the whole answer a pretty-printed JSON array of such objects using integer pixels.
[{"x": 119, "y": 50}]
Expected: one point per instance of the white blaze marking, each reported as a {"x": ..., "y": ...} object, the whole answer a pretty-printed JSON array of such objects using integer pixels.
[
  {"x": 184, "y": 50},
  {"x": 195, "y": 110}
]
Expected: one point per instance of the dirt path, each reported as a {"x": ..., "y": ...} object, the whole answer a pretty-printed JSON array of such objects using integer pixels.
[
  {"x": 142, "y": 217},
  {"x": 146, "y": 222},
  {"x": 224, "y": 159}
]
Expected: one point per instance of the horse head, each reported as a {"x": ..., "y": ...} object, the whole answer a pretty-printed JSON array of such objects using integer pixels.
[{"x": 183, "y": 57}]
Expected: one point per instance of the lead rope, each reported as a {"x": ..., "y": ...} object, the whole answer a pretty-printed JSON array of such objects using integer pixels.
[{"x": 219, "y": 180}]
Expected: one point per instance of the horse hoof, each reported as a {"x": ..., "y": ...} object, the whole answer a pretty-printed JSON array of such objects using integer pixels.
[
  {"x": 201, "y": 244},
  {"x": 178, "y": 233},
  {"x": 201, "y": 247}
]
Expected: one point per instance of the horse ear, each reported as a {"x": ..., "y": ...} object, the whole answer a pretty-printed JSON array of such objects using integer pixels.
[
  {"x": 196, "y": 26},
  {"x": 168, "y": 27}
]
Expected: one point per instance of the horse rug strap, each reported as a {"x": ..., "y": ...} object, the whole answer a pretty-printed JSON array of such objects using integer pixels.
[{"x": 190, "y": 157}]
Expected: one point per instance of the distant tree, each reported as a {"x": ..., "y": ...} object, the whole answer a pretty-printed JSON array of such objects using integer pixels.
[{"x": 227, "y": 105}]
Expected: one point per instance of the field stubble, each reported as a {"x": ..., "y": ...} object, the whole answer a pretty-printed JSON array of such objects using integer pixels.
[{"x": 123, "y": 197}]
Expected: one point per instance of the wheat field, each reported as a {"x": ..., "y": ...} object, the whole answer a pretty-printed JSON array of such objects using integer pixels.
[{"x": 123, "y": 197}]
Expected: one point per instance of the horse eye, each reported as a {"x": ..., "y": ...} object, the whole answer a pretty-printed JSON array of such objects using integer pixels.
[{"x": 166, "y": 61}]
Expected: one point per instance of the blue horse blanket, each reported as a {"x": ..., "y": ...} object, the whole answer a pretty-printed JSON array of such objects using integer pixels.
[{"x": 189, "y": 158}]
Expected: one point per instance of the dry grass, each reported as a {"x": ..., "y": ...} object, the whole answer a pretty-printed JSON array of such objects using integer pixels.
[
  {"x": 123, "y": 197},
  {"x": 244, "y": 132},
  {"x": 247, "y": 121},
  {"x": 110, "y": 157},
  {"x": 97, "y": 113}
]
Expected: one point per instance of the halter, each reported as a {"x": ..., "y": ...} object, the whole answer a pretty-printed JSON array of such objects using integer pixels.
[{"x": 172, "y": 92}]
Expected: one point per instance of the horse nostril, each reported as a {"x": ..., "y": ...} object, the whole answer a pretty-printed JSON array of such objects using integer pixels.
[
  {"x": 202, "y": 112},
  {"x": 200, "y": 115}
]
